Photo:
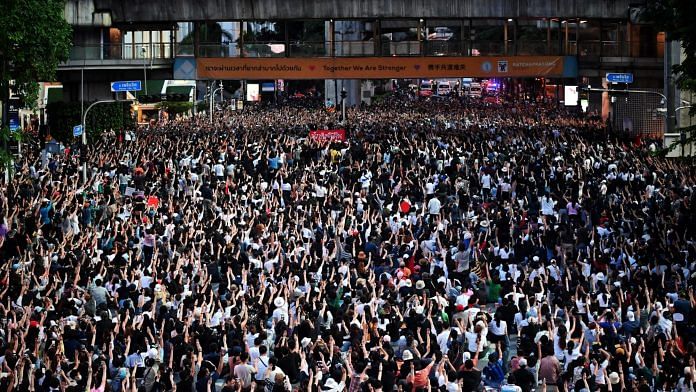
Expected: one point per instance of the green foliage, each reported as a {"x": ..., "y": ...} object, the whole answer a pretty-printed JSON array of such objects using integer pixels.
[
  {"x": 202, "y": 106},
  {"x": 675, "y": 18},
  {"x": 63, "y": 116},
  {"x": 6, "y": 136},
  {"x": 174, "y": 108},
  {"x": 34, "y": 39}
]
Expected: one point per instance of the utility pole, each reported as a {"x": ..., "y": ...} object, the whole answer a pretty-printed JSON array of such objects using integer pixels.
[
  {"x": 668, "y": 83},
  {"x": 212, "y": 97},
  {"x": 344, "y": 95},
  {"x": 144, "y": 51}
]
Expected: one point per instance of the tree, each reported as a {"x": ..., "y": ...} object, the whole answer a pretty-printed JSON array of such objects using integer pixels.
[
  {"x": 34, "y": 39},
  {"x": 675, "y": 18},
  {"x": 62, "y": 116}
]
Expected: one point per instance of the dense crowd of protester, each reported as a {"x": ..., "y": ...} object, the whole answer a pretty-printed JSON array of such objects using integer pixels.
[{"x": 445, "y": 245}]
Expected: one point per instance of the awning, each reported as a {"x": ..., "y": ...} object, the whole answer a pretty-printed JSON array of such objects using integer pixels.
[
  {"x": 154, "y": 87},
  {"x": 185, "y": 90},
  {"x": 54, "y": 94}
]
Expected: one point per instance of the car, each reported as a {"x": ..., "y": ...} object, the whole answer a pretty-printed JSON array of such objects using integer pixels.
[
  {"x": 444, "y": 88},
  {"x": 474, "y": 90},
  {"x": 425, "y": 89}
]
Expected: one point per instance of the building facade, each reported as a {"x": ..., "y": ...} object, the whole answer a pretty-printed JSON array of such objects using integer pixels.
[{"x": 160, "y": 40}]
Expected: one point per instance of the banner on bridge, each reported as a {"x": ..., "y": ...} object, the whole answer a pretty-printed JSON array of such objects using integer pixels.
[{"x": 386, "y": 67}]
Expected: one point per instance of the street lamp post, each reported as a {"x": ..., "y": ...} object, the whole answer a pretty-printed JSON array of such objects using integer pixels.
[
  {"x": 212, "y": 98},
  {"x": 84, "y": 136},
  {"x": 144, "y": 51},
  {"x": 344, "y": 95}
]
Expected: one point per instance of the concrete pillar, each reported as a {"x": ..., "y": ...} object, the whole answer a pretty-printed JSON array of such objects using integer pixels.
[
  {"x": 670, "y": 90},
  {"x": 333, "y": 89}
]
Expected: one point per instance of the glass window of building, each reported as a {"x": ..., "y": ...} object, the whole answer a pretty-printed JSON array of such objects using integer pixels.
[
  {"x": 307, "y": 38},
  {"x": 354, "y": 37},
  {"x": 146, "y": 44},
  {"x": 400, "y": 37},
  {"x": 219, "y": 39},
  {"x": 531, "y": 37},
  {"x": 113, "y": 43},
  {"x": 184, "y": 38},
  {"x": 487, "y": 36},
  {"x": 614, "y": 39},
  {"x": 264, "y": 39},
  {"x": 444, "y": 38},
  {"x": 589, "y": 38}
]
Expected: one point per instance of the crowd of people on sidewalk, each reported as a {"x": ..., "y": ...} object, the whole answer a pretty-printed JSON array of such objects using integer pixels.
[{"x": 442, "y": 246}]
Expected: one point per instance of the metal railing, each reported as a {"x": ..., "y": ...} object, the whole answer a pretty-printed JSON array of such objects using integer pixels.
[
  {"x": 354, "y": 48},
  {"x": 446, "y": 48},
  {"x": 214, "y": 50},
  {"x": 616, "y": 49},
  {"x": 534, "y": 48},
  {"x": 265, "y": 49},
  {"x": 122, "y": 52},
  {"x": 184, "y": 49},
  {"x": 309, "y": 49},
  {"x": 277, "y": 49},
  {"x": 400, "y": 48},
  {"x": 489, "y": 48}
]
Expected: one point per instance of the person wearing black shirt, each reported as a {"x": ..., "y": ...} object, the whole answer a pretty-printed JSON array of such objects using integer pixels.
[
  {"x": 470, "y": 376},
  {"x": 522, "y": 377}
]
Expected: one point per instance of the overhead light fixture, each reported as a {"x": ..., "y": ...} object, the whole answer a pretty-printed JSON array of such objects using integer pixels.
[
  {"x": 509, "y": 19},
  {"x": 583, "y": 21}
]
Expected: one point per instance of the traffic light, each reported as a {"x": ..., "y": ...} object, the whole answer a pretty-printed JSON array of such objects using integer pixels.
[
  {"x": 344, "y": 94},
  {"x": 616, "y": 89}
]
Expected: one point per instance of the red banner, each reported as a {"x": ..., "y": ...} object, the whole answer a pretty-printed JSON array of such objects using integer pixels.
[{"x": 328, "y": 134}]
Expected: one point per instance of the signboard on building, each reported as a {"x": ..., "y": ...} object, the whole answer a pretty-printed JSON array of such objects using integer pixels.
[
  {"x": 252, "y": 92},
  {"x": 268, "y": 87},
  {"x": 13, "y": 107},
  {"x": 570, "y": 95},
  {"x": 386, "y": 67}
]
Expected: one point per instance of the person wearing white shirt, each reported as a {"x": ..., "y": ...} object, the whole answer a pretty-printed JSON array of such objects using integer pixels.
[
  {"x": 430, "y": 188},
  {"x": 262, "y": 363},
  {"x": 547, "y": 205},
  {"x": 255, "y": 350},
  {"x": 219, "y": 171},
  {"x": 434, "y": 206},
  {"x": 498, "y": 329},
  {"x": 476, "y": 340},
  {"x": 443, "y": 339},
  {"x": 486, "y": 182}
]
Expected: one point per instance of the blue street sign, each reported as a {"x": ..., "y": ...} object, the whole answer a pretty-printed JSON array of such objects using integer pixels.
[
  {"x": 13, "y": 113},
  {"x": 77, "y": 130},
  {"x": 620, "y": 77},
  {"x": 14, "y": 124},
  {"x": 126, "y": 85}
]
